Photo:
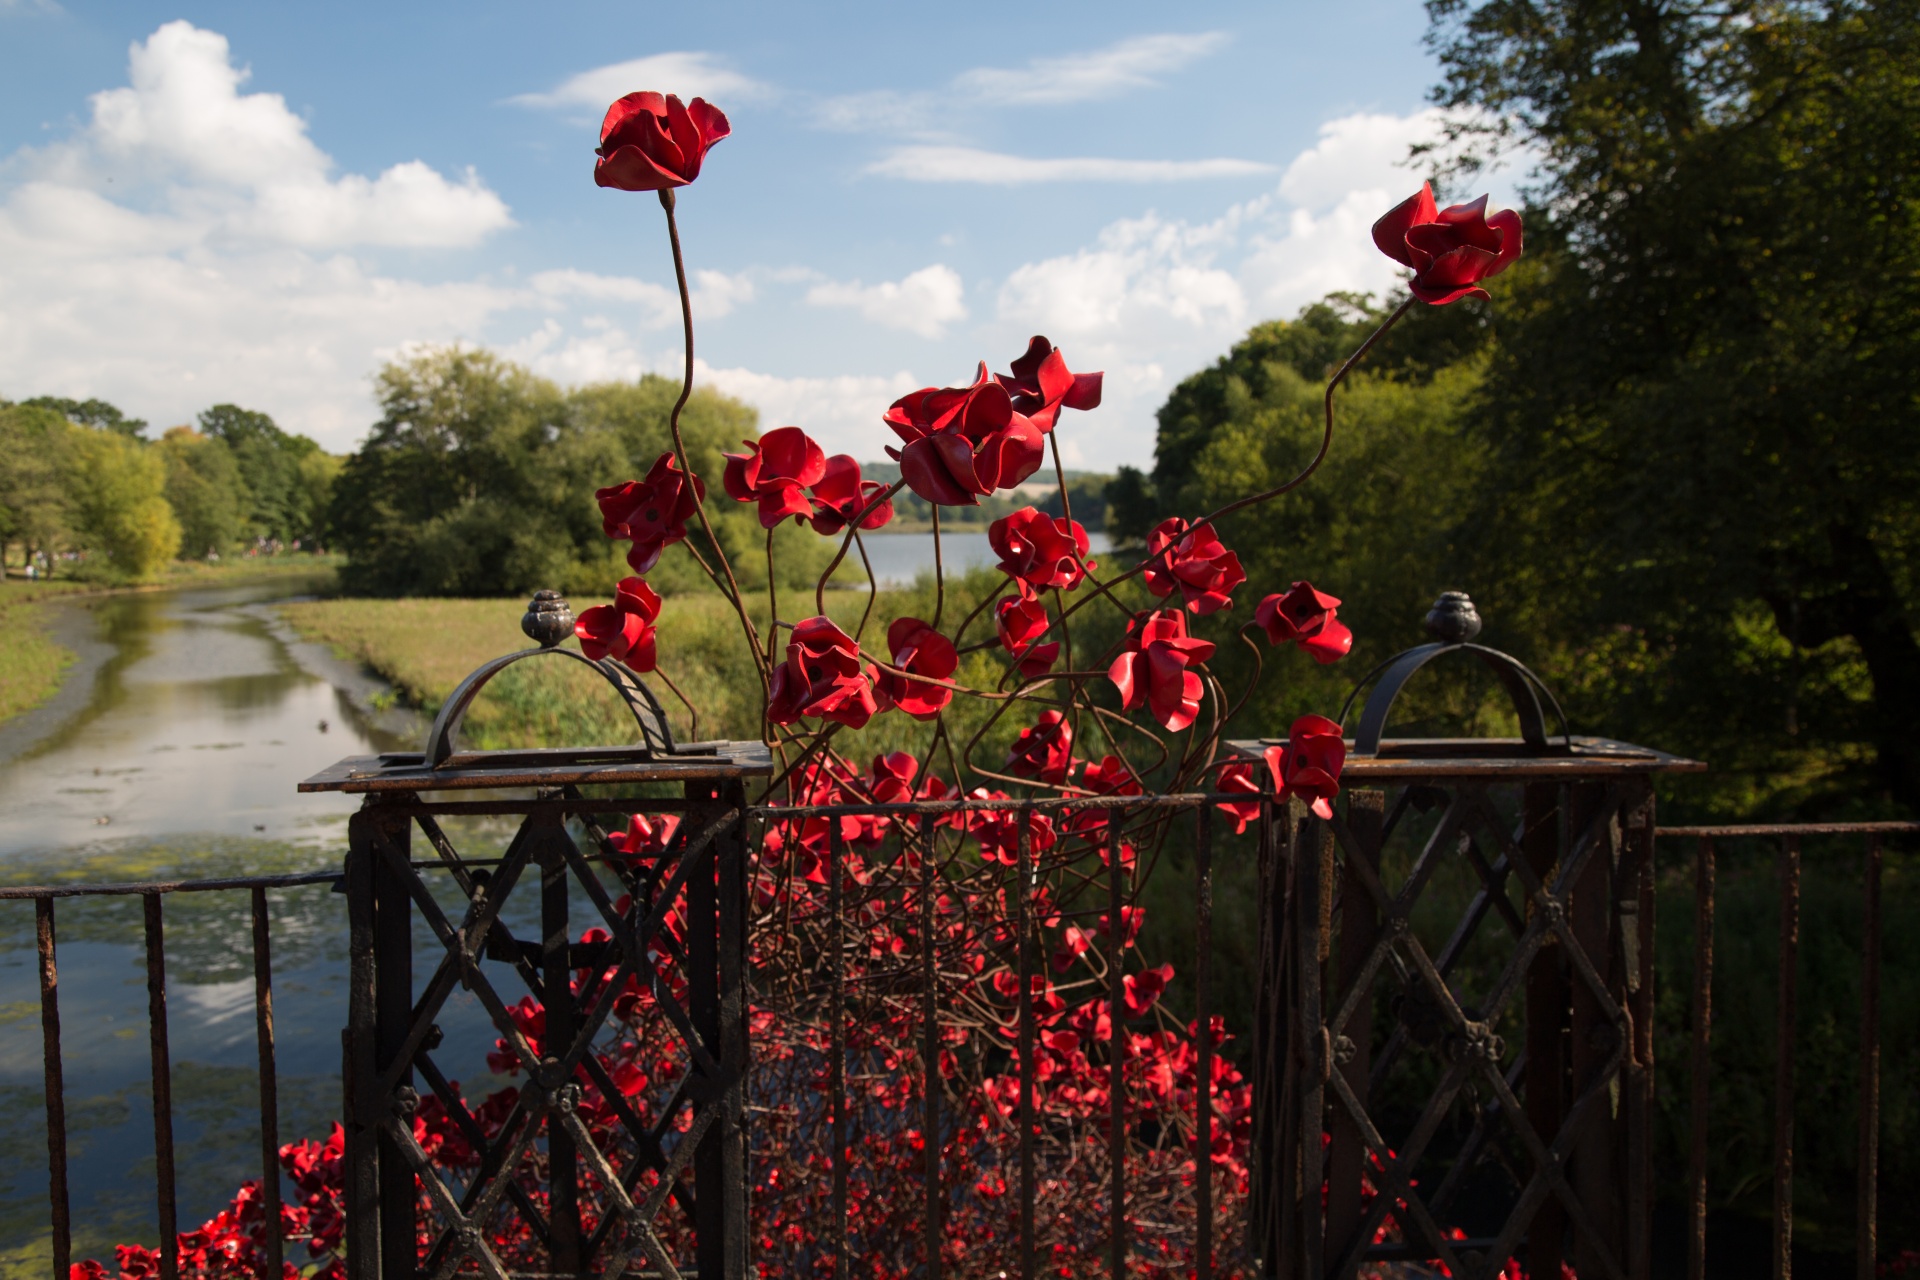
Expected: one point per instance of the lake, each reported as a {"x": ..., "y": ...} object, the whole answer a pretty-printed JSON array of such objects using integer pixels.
[{"x": 897, "y": 558}]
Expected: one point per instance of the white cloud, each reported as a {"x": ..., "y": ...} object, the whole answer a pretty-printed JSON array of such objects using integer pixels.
[
  {"x": 247, "y": 165},
  {"x": 1088, "y": 77},
  {"x": 969, "y": 164},
  {"x": 1152, "y": 299},
  {"x": 925, "y": 302},
  {"x": 842, "y": 412},
  {"x": 1129, "y": 66},
  {"x": 689, "y": 74},
  {"x": 713, "y": 293}
]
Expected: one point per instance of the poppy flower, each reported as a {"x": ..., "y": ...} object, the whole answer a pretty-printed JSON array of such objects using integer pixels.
[
  {"x": 1237, "y": 779},
  {"x": 998, "y": 830},
  {"x": 1040, "y": 551},
  {"x": 1107, "y": 776},
  {"x": 822, "y": 676},
  {"x": 840, "y": 495},
  {"x": 1044, "y": 752},
  {"x": 1193, "y": 560},
  {"x": 624, "y": 629},
  {"x": 1139, "y": 991},
  {"x": 918, "y": 648},
  {"x": 962, "y": 442},
  {"x": 647, "y": 837},
  {"x": 1153, "y": 670},
  {"x": 650, "y": 143},
  {"x": 1042, "y": 386},
  {"x": 1021, "y": 620},
  {"x": 1451, "y": 249},
  {"x": 1308, "y": 763},
  {"x": 652, "y": 513},
  {"x": 774, "y": 472},
  {"x": 1306, "y": 617},
  {"x": 893, "y": 777}
]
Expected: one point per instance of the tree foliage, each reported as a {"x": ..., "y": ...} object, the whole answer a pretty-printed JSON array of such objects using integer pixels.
[
  {"x": 1702, "y": 411},
  {"x": 479, "y": 478},
  {"x": 204, "y": 488}
]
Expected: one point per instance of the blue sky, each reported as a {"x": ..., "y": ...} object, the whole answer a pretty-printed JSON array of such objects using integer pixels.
[{"x": 262, "y": 203}]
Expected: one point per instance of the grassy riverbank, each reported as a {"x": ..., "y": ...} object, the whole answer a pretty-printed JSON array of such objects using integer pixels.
[
  {"x": 32, "y": 664},
  {"x": 424, "y": 647}
]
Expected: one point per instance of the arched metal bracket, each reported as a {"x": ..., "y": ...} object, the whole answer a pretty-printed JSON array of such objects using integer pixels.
[
  {"x": 1525, "y": 689},
  {"x": 655, "y": 734}
]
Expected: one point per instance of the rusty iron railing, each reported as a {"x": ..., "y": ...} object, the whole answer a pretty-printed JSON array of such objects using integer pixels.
[
  {"x": 1272, "y": 1043},
  {"x": 152, "y": 895},
  {"x": 1787, "y": 872}
]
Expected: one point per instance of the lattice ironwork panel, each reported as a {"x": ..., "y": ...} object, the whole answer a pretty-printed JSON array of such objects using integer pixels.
[
  {"x": 621, "y": 1151},
  {"x": 1457, "y": 1067}
]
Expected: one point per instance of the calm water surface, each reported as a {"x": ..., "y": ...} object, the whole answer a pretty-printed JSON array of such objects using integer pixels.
[{"x": 898, "y": 557}]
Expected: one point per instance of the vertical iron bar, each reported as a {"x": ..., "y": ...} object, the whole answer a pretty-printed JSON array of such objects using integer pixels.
[
  {"x": 362, "y": 1191},
  {"x": 1116, "y": 1053},
  {"x": 562, "y": 1017},
  {"x": 392, "y": 1015},
  {"x": 1783, "y": 1061},
  {"x": 56, "y": 1098},
  {"x": 1359, "y": 931},
  {"x": 1701, "y": 1065},
  {"x": 1203, "y": 1026},
  {"x": 730, "y": 884},
  {"x": 1543, "y": 810},
  {"x": 930, "y": 1054},
  {"x": 269, "y": 1078},
  {"x": 1313, "y": 872},
  {"x": 162, "y": 1089},
  {"x": 1868, "y": 1190},
  {"x": 837, "y": 1036},
  {"x": 1023, "y": 942}
]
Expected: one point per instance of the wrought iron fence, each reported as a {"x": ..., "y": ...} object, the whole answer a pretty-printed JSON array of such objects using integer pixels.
[{"x": 886, "y": 937}]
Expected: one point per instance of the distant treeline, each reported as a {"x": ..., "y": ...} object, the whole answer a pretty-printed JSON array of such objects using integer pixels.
[
  {"x": 1086, "y": 490},
  {"x": 83, "y": 493}
]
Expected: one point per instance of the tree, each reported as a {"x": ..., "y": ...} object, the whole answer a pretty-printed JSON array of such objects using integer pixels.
[
  {"x": 205, "y": 490},
  {"x": 1703, "y": 407},
  {"x": 33, "y": 500},
  {"x": 287, "y": 489},
  {"x": 116, "y": 487},
  {"x": 92, "y": 413},
  {"x": 479, "y": 479}
]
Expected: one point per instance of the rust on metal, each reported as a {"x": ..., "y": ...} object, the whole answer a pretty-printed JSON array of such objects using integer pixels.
[
  {"x": 56, "y": 1098},
  {"x": 1116, "y": 1053},
  {"x": 837, "y": 1042},
  {"x": 1203, "y": 1021},
  {"x": 165, "y": 1199},
  {"x": 1700, "y": 1064},
  {"x": 1867, "y": 1193},
  {"x": 1023, "y": 946},
  {"x": 1786, "y": 1006},
  {"x": 930, "y": 1058},
  {"x": 269, "y": 1074}
]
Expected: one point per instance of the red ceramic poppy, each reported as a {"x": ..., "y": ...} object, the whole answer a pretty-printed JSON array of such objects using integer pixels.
[
  {"x": 1040, "y": 551},
  {"x": 1044, "y": 752},
  {"x": 649, "y": 142},
  {"x": 1308, "y": 763},
  {"x": 1042, "y": 386},
  {"x": 840, "y": 497},
  {"x": 652, "y": 513},
  {"x": 998, "y": 830},
  {"x": 647, "y": 837},
  {"x": 1153, "y": 671},
  {"x": 774, "y": 472},
  {"x": 1306, "y": 617},
  {"x": 1451, "y": 249},
  {"x": 962, "y": 442},
  {"x": 622, "y": 630},
  {"x": 1237, "y": 779},
  {"x": 918, "y": 648},
  {"x": 1195, "y": 562},
  {"x": 893, "y": 777},
  {"x": 1022, "y": 620},
  {"x": 822, "y": 676}
]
